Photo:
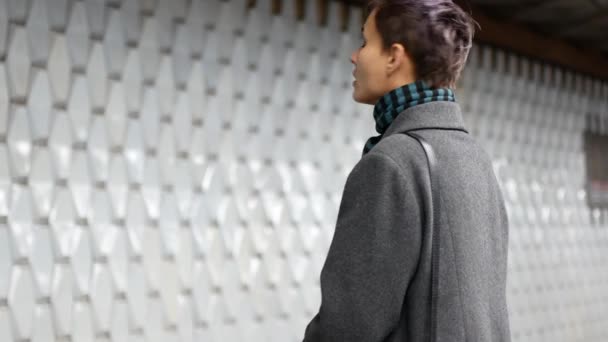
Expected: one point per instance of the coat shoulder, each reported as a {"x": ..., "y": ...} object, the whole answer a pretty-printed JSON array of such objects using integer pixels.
[{"x": 403, "y": 150}]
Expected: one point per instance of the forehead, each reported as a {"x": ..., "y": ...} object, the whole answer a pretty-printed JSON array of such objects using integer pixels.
[{"x": 369, "y": 27}]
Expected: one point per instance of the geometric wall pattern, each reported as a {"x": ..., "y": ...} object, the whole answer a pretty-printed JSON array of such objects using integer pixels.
[{"x": 171, "y": 170}]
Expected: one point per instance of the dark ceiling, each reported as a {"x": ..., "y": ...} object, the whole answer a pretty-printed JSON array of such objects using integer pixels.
[{"x": 582, "y": 23}]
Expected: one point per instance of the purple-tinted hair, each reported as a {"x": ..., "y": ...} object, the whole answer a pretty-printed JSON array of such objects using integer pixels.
[{"x": 437, "y": 34}]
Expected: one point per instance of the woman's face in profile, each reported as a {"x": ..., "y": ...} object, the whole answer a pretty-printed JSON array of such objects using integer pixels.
[{"x": 369, "y": 61}]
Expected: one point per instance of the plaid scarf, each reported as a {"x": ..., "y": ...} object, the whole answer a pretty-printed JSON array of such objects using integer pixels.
[{"x": 400, "y": 99}]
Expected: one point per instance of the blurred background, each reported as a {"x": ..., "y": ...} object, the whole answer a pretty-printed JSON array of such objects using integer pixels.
[{"x": 168, "y": 173}]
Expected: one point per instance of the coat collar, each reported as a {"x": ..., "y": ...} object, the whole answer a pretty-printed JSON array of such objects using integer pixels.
[{"x": 440, "y": 114}]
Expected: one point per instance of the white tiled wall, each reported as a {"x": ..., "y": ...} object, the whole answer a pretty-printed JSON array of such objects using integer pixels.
[{"x": 171, "y": 170}]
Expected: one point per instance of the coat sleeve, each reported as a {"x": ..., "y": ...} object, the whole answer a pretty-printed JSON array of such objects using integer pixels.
[{"x": 373, "y": 254}]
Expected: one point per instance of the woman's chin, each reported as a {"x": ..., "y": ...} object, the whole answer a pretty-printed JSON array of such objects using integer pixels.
[
  {"x": 356, "y": 94},
  {"x": 358, "y": 97}
]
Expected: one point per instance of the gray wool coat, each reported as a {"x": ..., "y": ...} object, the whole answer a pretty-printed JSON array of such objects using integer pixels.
[{"x": 375, "y": 282}]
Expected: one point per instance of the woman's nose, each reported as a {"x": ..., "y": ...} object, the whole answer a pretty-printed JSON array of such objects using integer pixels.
[{"x": 353, "y": 57}]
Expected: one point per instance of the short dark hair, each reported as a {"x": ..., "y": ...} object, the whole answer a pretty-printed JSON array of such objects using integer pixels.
[{"x": 437, "y": 34}]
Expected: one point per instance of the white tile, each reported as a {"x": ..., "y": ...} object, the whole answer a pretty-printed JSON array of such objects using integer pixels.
[
  {"x": 246, "y": 259},
  {"x": 152, "y": 257},
  {"x": 58, "y": 14},
  {"x": 81, "y": 260},
  {"x": 101, "y": 219},
  {"x": 97, "y": 79},
  {"x": 4, "y": 98},
  {"x": 259, "y": 19},
  {"x": 216, "y": 259},
  {"x": 195, "y": 24},
  {"x": 225, "y": 95},
  {"x": 3, "y": 27},
  {"x": 247, "y": 111},
  {"x": 263, "y": 297},
  {"x": 165, "y": 84},
  {"x": 201, "y": 225},
  {"x": 281, "y": 35},
  {"x": 151, "y": 188},
  {"x": 242, "y": 54},
  {"x": 43, "y": 323},
  {"x": 183, "y": 187},
  {"x": 132, "y": 79},
  {"x": 80, "y": 183},
  {"x": 131, "y": 18},
  {"x": 96, "y": 17},
  {"x": 99, "y": 149},
  {"x": 169, "y": 290},
  {"x": 118, "y": 185},
  {"x": 21, "y": 301},
  {"x": 114, "y": 44},
  {"x": 197, "y": 155},
  {"x": 149, "y": 47},
  {"x": 318, "y": 68},
  {"x": 214, "y": 188},
  {"x": 62, "y": 298},
  {"x": 153, "y": 325},
  {"x": 137, "y": 295},
  {"x": 182, "y": 121},
  {"x": 42, "y": 181},
  {"x": 233, "y": 294},
  {"x": 135, "y": 222},
  {"x": 211, "y": 59},
  {"x": 196, "y": 91},
  {"x": 148, "y": 5},
  {"x": 42, "y": 260},
  {"x": 118, "y": 260},
  {"x": 17, "y": 10},
  {"x": 134, "y": 151},
  {"x": 301, "y": 51},
  {"x": 102, "y": 295},
  {"x": 82, "y": 325},
  {"x": 181, "y": 54},
  {"x": 6, "y": 260},
  {"x": 150, "y": 117},
  {"x": 77, "y": 35},
  {"x": 39, "y": 32},
  {"x": 19, "y": 142},
  {"x": 59, "y": 66},
  {"x": 260, "y": 233},
  {"x": 203, "y": 294},
  {"x": 169, "y": 225},
  {"x": 185, "y": 258},
  {"x": 79, "y": 109},
  {"x": 167, "y": 154},
  {"x": 165, "y": 16},
  {"x": 6, "y": 333},
  {"x": 21, "y": 220},
  {"x": 231, "y": 19},
  {"x": 5, "y": 182},
  {"x": 119, "y": 331},
  {"x": 185, "y": 320},
  {"x": 231, "y": 228},
  {"x": 210, "y": 12},
  {"x": 213, "y": 132}
]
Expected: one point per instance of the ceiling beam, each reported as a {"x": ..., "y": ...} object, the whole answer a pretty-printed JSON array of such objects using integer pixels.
[
  {"x": 519, "y": 39},
  {"x": 527, "y": 9},
  {"x": 570, "y": 28}
]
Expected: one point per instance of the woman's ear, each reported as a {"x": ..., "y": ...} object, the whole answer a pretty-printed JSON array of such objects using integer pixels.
[{"x": 396, "y": 56}]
